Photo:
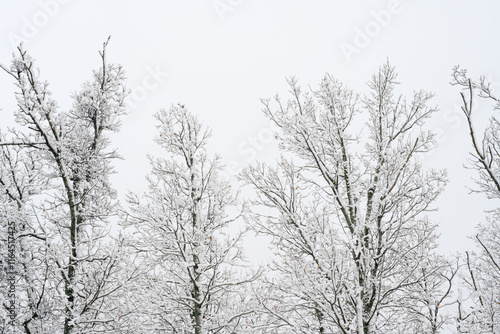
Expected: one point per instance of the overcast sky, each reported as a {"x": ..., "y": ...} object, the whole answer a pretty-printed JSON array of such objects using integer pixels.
[{"x": 219, "y": 57}]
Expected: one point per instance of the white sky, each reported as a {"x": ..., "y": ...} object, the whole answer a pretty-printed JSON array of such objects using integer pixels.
[{"x": 221, "y": 62}]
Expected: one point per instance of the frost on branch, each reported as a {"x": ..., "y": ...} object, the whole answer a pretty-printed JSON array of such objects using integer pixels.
[
  {"x": 349, "y": 225},
  {"x": 194, "y": 279},
  {"x": 55, "y": 169},
  {"x": 481, "y": 275}
]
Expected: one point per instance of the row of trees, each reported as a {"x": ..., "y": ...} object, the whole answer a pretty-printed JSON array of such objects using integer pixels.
[{"x": 344, "y": 207}]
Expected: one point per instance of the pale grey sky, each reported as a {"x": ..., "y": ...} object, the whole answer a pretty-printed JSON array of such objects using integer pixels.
[{"x": 219, "y": 57}]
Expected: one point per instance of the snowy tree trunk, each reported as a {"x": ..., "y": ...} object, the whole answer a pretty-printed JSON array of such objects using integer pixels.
[{"x": 197, "y": 311}]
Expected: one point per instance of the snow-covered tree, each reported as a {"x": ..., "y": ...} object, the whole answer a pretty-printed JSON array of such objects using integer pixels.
[
  {"x": 349, "y": 226},
  {"x": 19, "y": 183},
  {"x": 483, "y": 268},
  {"x": 192, "y": 263},
  {"x": 427, "y": 304},
  {"x": 65, "y": 226}
]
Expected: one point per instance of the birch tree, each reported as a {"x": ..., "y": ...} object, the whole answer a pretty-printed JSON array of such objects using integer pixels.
[
  {"x": 192, "y": 283},
  {"x": 483, "y": 267},
  {"x": 349, "y": 228},
  {"x": 70, "y": 217}
]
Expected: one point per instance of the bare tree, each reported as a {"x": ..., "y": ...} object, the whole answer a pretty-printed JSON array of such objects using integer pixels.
[
  {"x": 427, "y": 303},
  {"x": 19, "y": 182},
  {"x": 71, "y": 214},
  {"x": 483, "y": 268},
  {"x": 350, "y": 230},
  {"x": 191, "y": 282}
]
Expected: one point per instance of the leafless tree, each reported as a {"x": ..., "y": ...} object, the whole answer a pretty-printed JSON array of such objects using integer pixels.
[
  {"x": 190, "y": 260},
  {"x": 66, "y": 224},
  {"x": 483, "y": 268},
  {"x": 349, "y": 202}
]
